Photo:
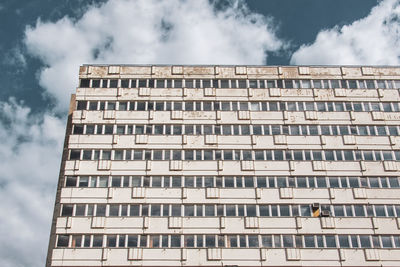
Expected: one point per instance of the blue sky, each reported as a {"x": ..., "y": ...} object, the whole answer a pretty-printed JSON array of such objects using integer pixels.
[{"x": 43, "y": 42}]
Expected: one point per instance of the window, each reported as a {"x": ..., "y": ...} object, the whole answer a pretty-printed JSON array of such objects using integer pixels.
[
  {"x": 200, "y": 242},
  {"x": 118, "y": 154},
  {"x": 380, "y": 211},
  {"x": 111, "y": 241},
  {"x": 89, "y": 129},
  {"x": 242, "y": 241},
  {"x": 339, "y": 211},
  {"x": 232, "y": 241},
  {"x": 334, "y": 84},
  {"x": 320, "y": 241},
  {"x": 75, "y": 154},
  {"x": 86, "y": 241},
  {"x": 208, "y": 154},
  {"x": 359, "y": 210},
  {"x": 354, "y": 241},
  {"x": 344, "y": 241},
  {"x": 370, "y": 84},
  {"x": 62, "y": 240},
  {"x": 334, "y": 182},
  {"x": 76, "y": 241},
  {"x": 230, "y": 210},
  {"x": 365, "y": 241},
  {"x": 321, "y": 182},
  {"x": 80, "y": 210},
  {"x": 266, "y": 241},
  {"x": 132, "y": 241},
  {"x": 209, "y": 210},
  {"x": 189, "y": 210},
  {"x": 97, "y": 241},
  {"x": 125, "y": 83},
  {"x": 176, "y": 210},
  {"x": 277, "y": 241},
  {"x": 114, "y": 210},
  {"x": 309, "y": 241},
  {"x": 287, "y": 241},
  {"x": 253, "y": 241},
  {"x": 175, "y": 241},
  {"x": 71, "y": 181},
  {"x": 78, "y": 129},
  {"x": 394, "y": 183},
  {"x": 386, "y": 241},
  {"x": 155, "y": 210},
  {"x": 85, "y": 83},
  {"x": 305, "y": 210},
  {"x": 284, "y": 210},
  {"x": 274, "y": 210},
  {"x": 251, "y": 210},
  {"x": 210, "y": 241},
  {"x": 67, "y": 210}
]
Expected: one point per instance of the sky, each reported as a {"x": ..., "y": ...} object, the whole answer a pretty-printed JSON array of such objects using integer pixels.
[{"x": 43, "y": 42}]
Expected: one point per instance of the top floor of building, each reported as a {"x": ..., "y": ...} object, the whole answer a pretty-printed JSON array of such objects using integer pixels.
[{"x": 238, "y": 72}]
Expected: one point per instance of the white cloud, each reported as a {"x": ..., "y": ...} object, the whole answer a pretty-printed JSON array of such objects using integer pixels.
[
  {"x": 30, "y": 158},
  {"x": 148, "y": 31},
  {"x": 373, "y": 40},
  {"x": 120, "y": 31}
]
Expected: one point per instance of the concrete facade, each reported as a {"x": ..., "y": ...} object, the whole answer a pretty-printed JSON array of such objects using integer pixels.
[{"x": 230, "y": 166}]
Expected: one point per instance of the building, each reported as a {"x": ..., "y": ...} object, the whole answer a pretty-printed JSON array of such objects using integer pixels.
[{"x": 230, "y": 166}]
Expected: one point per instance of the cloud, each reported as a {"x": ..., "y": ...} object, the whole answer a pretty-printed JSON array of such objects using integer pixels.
[
  {"x": 152, "y": 32},
  {"x": 30, "y": 158},
  {"x": 15, "y": 57},
  {"x": 373, "y": 40},
  {"x": 119, "y": 31}
]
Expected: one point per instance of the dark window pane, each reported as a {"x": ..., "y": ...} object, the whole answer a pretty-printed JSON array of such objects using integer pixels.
[
  {"x": 67, "y": 210},
  {"x": 63, "y": 241},
  {"x": 365, "y": 241},
  {"x": 125, "y": 83},
  {"x": 82, "y": 105},
  {"x": 85, "y": 82},
  {"x": 210, "y": 241},
  {"x": 284, "y": 210},
  {"x": 132, "y": 241},
  {"x": 97, "y": 241},
  {"x": 71, "y": 181},
  {"x": 309, "y": 241},
  {"x": 78, "y": 129},
  {"x": 251, "y": 210},
  {"x": 142, "y": 83},
  {"x": 113, "y": 83},
  {"x": 95, "y": 83},
  {"x": 175, "y": 241},
  {"x": 344, "y": 241},
  {"x": 75, "y": 154},
  {"x": 253, "y": 241},
  {"x": 111, "y": 241},
  {"x": 287, "y": 241},
  {"x": 330, "y": 241}
]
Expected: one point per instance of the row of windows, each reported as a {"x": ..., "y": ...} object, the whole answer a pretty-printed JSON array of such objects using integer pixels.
[
  {"x": 236, "y": 129},
  {"x": 238, "y": 105},
  {"x": 208, "y": 154},
  {"x": 232, "y": 181},
  {"x": 232, "y": 210},
  {"x": 229, "y": 83},
  {"x": 229, "y": 241}
]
